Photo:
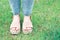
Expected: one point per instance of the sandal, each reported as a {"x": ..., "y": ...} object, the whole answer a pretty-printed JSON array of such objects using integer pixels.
[
  {"x": 27, "y": 27},
  {"x": 14, "y": 29},
  {"x": 15, "y": 25}
]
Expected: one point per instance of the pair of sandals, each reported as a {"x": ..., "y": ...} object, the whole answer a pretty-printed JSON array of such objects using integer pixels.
[{"x": 26, "y": 28}]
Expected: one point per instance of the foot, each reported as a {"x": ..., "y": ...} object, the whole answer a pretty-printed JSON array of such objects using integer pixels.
[
  {"x": 15, "y": 25},
  {"x": 27, "y": 25}
]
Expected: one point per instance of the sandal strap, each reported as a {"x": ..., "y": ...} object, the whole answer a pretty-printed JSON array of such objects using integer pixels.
[
  {"x": 28, "y": 28},
  {"x": 15, "y": 28}
]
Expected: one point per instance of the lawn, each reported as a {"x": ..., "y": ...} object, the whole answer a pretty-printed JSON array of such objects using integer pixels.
[{"x": 45, "y": 18}]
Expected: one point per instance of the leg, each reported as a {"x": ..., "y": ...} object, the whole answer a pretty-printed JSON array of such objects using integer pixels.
[
  {"x": 15, "y": 6},
  {"x": 27, "y": 6},
  {"x": 15, "y": 25}
]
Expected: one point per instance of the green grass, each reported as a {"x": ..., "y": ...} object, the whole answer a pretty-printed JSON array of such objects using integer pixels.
[{"x": 45, "y": 18}]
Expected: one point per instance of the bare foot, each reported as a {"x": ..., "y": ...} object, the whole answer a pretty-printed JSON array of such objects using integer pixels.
[
  {"x": 15, "y": 25},
  {"x": 27, "y": 25}
]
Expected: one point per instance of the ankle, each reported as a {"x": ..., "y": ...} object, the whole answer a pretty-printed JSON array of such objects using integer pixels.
[
  {"x": 27, "y": 18},
  {"x": 16, "y": 18}
]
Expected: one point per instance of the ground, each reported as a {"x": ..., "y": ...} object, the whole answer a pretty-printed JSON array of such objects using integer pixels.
[{"x": 45, "y": 18}]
